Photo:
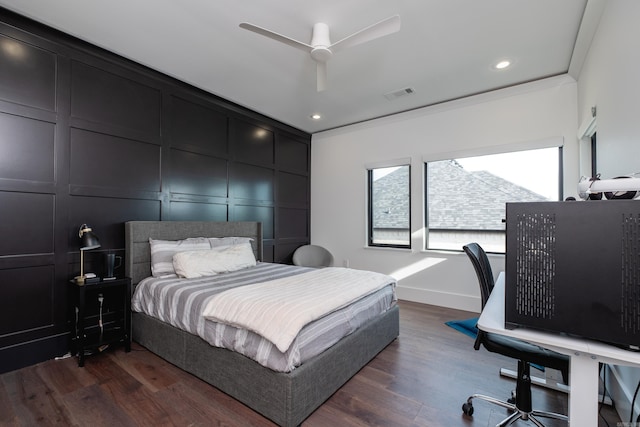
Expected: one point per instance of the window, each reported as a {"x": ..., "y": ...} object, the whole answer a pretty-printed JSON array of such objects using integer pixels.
[
  {"x": 466, "y": 197},
  {"x": 389, "y": 207}
]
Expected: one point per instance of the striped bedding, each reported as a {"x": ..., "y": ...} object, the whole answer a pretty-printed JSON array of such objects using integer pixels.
[
  {"x": 180, "y": 302},
  {"x": 278, "y": 309}
]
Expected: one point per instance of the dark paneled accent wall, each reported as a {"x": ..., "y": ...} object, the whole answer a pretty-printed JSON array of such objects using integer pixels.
[{"x": 89, "y": 137}]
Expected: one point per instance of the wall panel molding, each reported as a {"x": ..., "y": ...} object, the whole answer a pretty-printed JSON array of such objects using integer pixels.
[{"x": 87, "y": 136}]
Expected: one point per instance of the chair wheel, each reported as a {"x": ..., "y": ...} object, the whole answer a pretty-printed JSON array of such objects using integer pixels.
[{"x": 467, "y": 408}]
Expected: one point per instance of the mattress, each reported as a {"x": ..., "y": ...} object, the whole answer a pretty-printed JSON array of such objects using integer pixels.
[{"x": 180, "y": 303}]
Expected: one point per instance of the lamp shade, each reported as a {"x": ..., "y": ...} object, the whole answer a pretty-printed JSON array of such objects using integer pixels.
[{"x": 88, "y": 240}]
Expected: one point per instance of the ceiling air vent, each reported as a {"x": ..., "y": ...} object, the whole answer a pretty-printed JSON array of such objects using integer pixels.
[{"x": 398, "y": 93}]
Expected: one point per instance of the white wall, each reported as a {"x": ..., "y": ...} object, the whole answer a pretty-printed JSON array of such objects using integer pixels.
[
  {"x": 610, "y": 80},
  {"x": 547, "y": 109},
  {"x": 532, "y": 112}
]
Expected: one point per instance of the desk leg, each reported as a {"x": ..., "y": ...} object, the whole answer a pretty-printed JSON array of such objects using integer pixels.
[{"x": 583, "y": 397}]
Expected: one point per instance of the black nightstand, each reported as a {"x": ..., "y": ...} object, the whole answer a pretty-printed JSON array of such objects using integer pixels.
[{"x": 100, "y": 315}]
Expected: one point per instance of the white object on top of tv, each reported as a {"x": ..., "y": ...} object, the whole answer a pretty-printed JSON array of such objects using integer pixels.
[{"x": 623, "y": 187}]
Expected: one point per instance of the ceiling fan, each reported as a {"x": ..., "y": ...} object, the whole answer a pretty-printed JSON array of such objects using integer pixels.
[{"x": 321, "y": 48}]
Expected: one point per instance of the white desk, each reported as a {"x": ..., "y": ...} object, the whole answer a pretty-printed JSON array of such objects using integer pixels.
[{"x": 585, "y": 356}]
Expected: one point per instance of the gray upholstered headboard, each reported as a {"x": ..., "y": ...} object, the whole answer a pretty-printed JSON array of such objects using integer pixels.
[{"x": 137, "y": 234}]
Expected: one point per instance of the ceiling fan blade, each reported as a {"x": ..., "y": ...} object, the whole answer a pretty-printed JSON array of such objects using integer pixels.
[
  {"x": 275, "y": 36},
  {"x": 321, "y": 76},
  {"x": 383, "y": 28}
]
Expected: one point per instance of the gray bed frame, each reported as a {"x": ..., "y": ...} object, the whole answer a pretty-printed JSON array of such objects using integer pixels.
[{"x": 285, "y": 398}]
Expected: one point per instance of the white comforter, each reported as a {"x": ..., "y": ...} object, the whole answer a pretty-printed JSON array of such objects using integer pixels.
[{"x": 280, "y": 308}]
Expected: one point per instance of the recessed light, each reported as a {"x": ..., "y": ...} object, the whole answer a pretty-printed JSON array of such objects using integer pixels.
[
  {"x": 260, "y": 133},
  {"x": 316, "y": 116},
  {"x": 502, "y": 65}
]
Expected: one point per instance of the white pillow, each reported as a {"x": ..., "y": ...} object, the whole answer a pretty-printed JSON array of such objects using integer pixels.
[
  {"x": 162, "y": 252},
  {"x": 192, "y": 264},
  {"x": 228, "y": 241}
]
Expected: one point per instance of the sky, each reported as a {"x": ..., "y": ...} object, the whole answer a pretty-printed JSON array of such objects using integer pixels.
[{"x": 524, "y": 168}]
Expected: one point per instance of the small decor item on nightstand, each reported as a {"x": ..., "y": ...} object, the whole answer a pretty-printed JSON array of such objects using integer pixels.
[
  {"x": 88, "y": 241},
  {"x": 111, "y": 262}
]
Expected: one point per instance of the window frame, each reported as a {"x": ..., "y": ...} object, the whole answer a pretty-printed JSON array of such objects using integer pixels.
[
  {"x": 503, "y": 149},
  {"x": 594, "y": 154},
  {"x": 370, "y": 225}
]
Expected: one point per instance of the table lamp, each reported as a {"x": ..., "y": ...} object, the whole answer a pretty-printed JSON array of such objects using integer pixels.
[{"x": 88, "y": 241}]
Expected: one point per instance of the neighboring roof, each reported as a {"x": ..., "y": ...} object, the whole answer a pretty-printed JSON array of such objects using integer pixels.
[
  {"x": 391, "y": 199},
  {"x": 461, "y": 199}
]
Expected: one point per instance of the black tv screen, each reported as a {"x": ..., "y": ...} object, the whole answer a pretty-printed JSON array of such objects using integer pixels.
[{"x": 573, "y": 267}]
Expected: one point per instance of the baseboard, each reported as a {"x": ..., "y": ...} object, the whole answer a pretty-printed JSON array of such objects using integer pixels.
[
  {"x": 442, "y": 299},
  {"x": 32, "y": 352}
]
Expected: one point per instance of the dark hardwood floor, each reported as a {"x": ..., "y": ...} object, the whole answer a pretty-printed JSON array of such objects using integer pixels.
[{"x": 421, "y": 379}]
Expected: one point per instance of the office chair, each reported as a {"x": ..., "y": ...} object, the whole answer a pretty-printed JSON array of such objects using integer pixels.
[
  {"x": 312, "y": 256},
  {"x": 526, "y": 354}
]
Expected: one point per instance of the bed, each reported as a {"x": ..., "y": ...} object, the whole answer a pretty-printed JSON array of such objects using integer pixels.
[{"x": 287, "y": 398}]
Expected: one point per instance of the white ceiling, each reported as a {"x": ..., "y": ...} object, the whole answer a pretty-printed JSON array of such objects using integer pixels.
[{"x": 444, "y": 50}]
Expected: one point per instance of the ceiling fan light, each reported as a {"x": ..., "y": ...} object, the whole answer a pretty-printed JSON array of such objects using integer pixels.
[{"x": 321, "y": 53}]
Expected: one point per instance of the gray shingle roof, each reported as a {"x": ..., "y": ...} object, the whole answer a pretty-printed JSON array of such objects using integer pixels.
[
  {"x": 458, "y": 199},
  {"x": 391, "y": 200},
  {"x": 464, "y": 200}
]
